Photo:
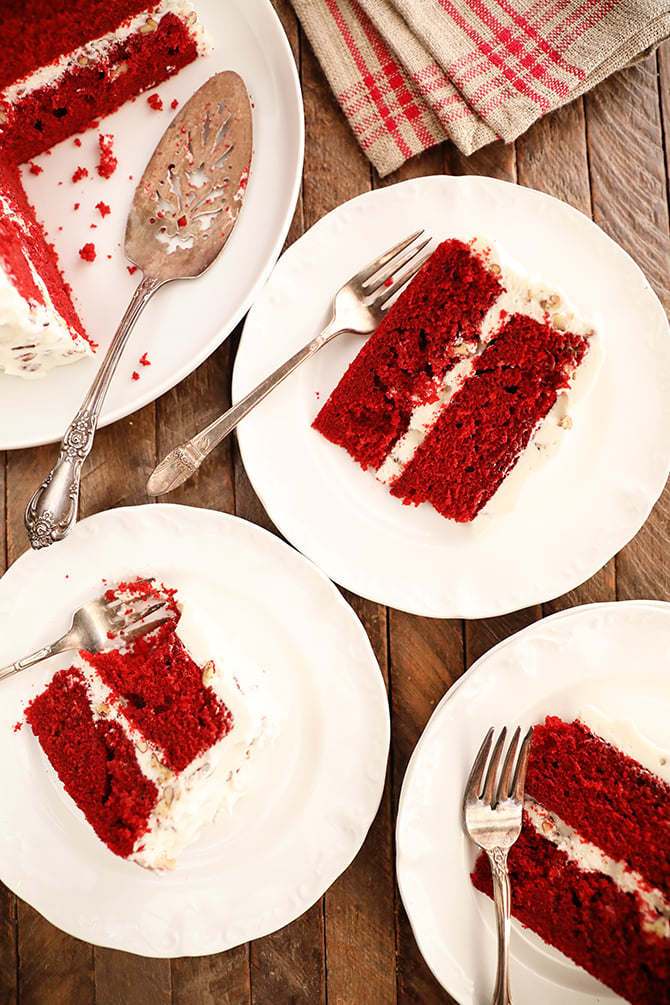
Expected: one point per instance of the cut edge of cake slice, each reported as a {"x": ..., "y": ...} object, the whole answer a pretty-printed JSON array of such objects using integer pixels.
[{"x": 163, "y": 809}]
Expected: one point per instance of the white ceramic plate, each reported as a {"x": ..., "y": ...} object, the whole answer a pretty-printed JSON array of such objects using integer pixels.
[
  {"x": 610, "y": 656},
  {"x": 312, "y": 794},
  {"x": 573, "y": 514},
  {"x": 185, "y": 321}
]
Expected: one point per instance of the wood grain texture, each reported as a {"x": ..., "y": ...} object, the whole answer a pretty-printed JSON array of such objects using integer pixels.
[{"x": 605, "y": 155}]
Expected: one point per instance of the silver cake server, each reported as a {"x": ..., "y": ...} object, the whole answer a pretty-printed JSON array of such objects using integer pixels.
[{"x": 183, "y": 212}]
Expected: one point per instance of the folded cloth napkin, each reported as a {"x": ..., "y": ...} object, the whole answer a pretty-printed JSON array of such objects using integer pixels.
[{"x": 411, "y": 73}]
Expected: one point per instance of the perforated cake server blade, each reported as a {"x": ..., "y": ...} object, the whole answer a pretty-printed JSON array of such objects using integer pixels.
[{"x": 183, "y": 212}]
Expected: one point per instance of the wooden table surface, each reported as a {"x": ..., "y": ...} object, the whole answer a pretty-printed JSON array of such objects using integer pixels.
[{"x": 605, "y": 155}]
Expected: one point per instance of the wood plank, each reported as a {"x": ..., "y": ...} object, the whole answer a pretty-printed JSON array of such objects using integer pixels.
[
  {"x": 360, "y": 940},
  {"x": 53, "y": 967},
  {"x": 124, "y": 977},
  {"x": 426, "y": 658},
  {"x": 221, "y": 979},
  {"x": 9, "y": 959},
  {"x": 629, "y": 184},
  {"x": 288, "y": 967},
  {"x": 553, "y": 158},
  {"x": 183, "y": 412}
]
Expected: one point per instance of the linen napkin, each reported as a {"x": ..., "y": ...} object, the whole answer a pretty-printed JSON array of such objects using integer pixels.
[{"x": 411, "y": 73}]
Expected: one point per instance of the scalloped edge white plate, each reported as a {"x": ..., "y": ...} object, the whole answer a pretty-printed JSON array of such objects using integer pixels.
[
  {"x": 312, "y": 794},
  {"x": 610, "y": 656},
  {"x": 572, "y": 516},
  {"x": 186, "y": 320}
]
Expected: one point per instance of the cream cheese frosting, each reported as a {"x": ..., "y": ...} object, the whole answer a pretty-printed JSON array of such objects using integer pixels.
[
  {"x": 522, "y": 294},
  {"x": 189, "y": 800},
  {"x": 654, "y": 907},
  {"x": 34, "y": 337}
]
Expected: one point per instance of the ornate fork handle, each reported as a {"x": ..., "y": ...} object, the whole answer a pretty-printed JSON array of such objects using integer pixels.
[
  {"x": 53, "y": 507},
  {"x": 182, "y": 462},
  {"x": 502, "y": 900},
  {"x": 67, "y": 642}
]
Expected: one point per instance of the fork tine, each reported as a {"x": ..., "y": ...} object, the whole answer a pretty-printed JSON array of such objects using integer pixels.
[
  {"x": 503, "y": 790},
  {"x": 401, "y": 279},
  {"x": 381, "y": 277},
  {"x": 379, "y": 263},
  {"x": 477, "y": 771},
  {"x": 490, "y": 780},
  {"x": 519, "y": 779},
  {"x": 134, "y": 616},
  {"x": 137, "y": 633},
  {"x": 114, "y": 605}
]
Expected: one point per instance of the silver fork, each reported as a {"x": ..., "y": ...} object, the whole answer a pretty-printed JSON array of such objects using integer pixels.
[
  {"x": 358, "y": 308},
  {"x": 492, "y": 813},
  {"x": 100, "y": 624}
]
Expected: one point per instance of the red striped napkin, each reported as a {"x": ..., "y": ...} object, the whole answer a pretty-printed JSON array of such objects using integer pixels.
[{"x": 411, "y": 73}]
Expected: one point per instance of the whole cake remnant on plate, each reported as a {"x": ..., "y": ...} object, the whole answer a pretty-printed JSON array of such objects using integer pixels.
[
  {"x": 474, "y": 367},
  {"x": 66, "y": 64},
  {"x": 590, "y": 873},
  {"x": 152, "y": 740}
]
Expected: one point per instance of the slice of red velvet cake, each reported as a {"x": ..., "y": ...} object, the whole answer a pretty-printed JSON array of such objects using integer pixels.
[
  {"x": 150, "y": 740},
  {"x": 471, "y": 364},
  {"x": 65, "y": 64},
  {"x": 591, "y": 871}
]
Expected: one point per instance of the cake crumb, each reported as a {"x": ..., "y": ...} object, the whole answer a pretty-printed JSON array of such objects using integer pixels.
[
  {"x": 156, "y": 102},
  {"x": 135, "y": 375},
  {"x": 80, "y": 173},
  {"x": 108, "y": 162},
  {"x": 174, "y": 104},
  {"x": 103, "y": 208},
  {"x": 144, "y": 360},
  {"x": 35, "y": 168},
  {"x": 88, "y": 252}
]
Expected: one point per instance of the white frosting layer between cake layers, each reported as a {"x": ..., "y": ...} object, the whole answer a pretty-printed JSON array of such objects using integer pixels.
[
  {"x": 653, "y": 906},
  {"x": 522, "y": 294},
  {"x": 190, "y": 800},
  {"x": 34, "y": 338}
]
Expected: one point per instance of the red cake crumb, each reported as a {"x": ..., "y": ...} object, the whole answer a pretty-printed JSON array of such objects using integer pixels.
[
  {"x": 135, "y": 375},
  {"x": 174, "y": 103},
  {"x": 35, "y": 168},
  {"x": 88, "y": 252},
  {"x": 156, "y": 102},
  {"x": 103, "y": 208},
  {"x": 144, "y": 360},
  {"x": 108, "y": 162},
  {"x": 81, "y": 172}
]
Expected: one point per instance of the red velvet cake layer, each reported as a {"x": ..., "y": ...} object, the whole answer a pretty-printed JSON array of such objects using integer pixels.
[
  {"x": 35, "y": 32},
  {"x": 24, "y": 249},
  {"x": 91, "y": 90},
  {"x": 468, "y": 362},
  {"x": 427, "y": 331},
  {"x": 586, "y": 917},
  {"x": 478, "y": 438},
  {"x": 159, "y": 690},
  {"x": 564, "y": 890},
  {"x": 607, "y": 796},
  {"x": 164, "y": 695},
  {"x": 95, "y": 762}
]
